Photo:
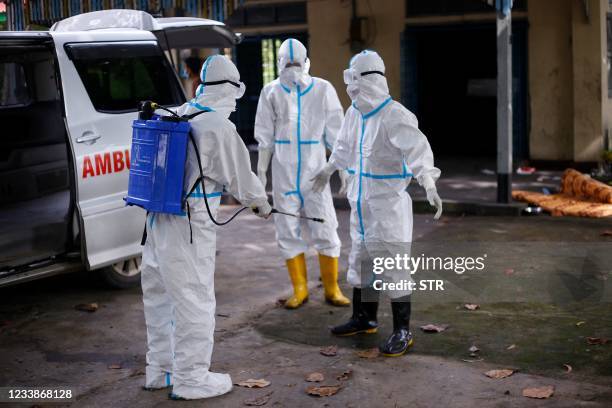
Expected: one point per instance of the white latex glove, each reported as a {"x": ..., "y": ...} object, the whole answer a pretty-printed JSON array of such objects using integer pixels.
[
  {"x": 432, "y": 194},
  {"x": 322, "y": 178},
  {"x": 263, "y": 161},
  {"x": 343, "y": 181},
  {"x": 435, "y": 201},
  {"x": 262, "y": 210}
]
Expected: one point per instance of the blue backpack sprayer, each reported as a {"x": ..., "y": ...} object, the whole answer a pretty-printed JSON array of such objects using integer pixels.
[{"x": 157, "y": 169}]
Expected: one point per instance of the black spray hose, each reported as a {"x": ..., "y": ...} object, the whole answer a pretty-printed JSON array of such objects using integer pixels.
[{"x": 201, "y": 180}]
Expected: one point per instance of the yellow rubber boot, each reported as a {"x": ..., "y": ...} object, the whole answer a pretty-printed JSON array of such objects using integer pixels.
[
  {"x": 329, "y": 277},
  {"x": 297, "y": 272}
]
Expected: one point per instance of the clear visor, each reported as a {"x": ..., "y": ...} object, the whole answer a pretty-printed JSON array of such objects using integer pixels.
[{"x": 350, "y": 76}]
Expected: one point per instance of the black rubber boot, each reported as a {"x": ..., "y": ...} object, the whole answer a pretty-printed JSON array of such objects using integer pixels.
[
  {"x": 401, "y": 339},
  {"x": 363, "y": 319}
]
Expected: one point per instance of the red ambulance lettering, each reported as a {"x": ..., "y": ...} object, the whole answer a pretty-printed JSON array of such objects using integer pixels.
[
  {"x": 103, "y": 164},
  {"x": 106, "y": 163},
  {"x": 118, "y": 162},
  {"x": 88, "y": 169}
]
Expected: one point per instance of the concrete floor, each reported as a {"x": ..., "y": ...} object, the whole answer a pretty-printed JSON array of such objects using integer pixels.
[{"x": 44, "y": 341}]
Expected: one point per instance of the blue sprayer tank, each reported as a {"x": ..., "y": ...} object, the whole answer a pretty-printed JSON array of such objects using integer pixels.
[{"x": 157, "y": 169}]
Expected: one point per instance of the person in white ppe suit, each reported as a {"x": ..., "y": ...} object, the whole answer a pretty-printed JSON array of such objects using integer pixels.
[
  {"x": 298, "y": 118},
  {"x": 382, "y": 148},
  {"x": 178, "y": 260}
]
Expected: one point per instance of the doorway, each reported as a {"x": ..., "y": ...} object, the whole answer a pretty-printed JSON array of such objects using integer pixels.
[{"x": 449, "y": 82}]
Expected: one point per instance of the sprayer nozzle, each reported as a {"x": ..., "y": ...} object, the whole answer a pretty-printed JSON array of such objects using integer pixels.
[{"x": 154, "y": 105}]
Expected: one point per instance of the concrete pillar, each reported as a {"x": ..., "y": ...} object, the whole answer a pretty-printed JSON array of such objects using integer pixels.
[{"x": 589, "y": 71}]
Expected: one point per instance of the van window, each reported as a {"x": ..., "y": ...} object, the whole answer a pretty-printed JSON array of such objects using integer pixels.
[
  {"x": 13, "y": 85},
  {"x": 119, "y": 75}
]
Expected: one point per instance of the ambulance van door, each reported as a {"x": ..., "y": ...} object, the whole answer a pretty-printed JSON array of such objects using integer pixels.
[{"x": 104, "y": 76}]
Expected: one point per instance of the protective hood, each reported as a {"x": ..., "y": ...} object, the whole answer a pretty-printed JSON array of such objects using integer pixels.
[
  {"x": 219, "y": 88},
  {"x": 366, "y": 82},
  {"x": 293, "y": 64}
]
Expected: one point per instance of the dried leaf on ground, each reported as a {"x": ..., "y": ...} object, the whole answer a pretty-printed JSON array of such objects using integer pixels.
[
  {"x": 253, "y": 383},
  {"x": 323, "y": 390},
  {"x": 87, "y": 307},
  {"x": 315, "y": 377},
  {"x": 434, "y": 328},
  {"x": 329, "y": 351},
  {"x": 539, "y": 392},
  {"x": 258, "y": 401},
  {"x": 596, "y": 340},
  {"x": 369, "y": 353},
  {"x": 568, "y": 368},
  {"x": 580, "y": 323},
  {"x": 497, "y": 374},
  {"x": 471, "y": 306},
  {"x": 510, "y": 347},
  {"x": 114, "y": 366},
  {"x": 345, "y": 375}
]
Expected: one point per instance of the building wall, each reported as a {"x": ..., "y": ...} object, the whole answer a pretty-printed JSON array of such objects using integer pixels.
[
  {"x": 568, "y": 97},
  {"x": 550, "y": 79},
  {"x": 588, "y": 56},
  {"x": 328, "y": 27}
]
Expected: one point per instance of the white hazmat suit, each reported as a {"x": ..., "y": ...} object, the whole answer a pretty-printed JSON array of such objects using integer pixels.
[
  {"x": 298, "y": 118},
  {"x": 382, "y": 148},
  {"x": 177, "y": 274}
]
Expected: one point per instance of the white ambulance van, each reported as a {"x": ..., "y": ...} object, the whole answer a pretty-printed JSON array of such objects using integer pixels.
[{"x": 67, "y": 101}]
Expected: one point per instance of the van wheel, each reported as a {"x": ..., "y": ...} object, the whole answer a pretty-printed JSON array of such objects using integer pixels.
[{"x": 123, "y": 274}]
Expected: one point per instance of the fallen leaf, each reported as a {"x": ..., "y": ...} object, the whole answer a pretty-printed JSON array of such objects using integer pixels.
[
  {"x": 252, "y": 383},
  {"x": 606, "y": 233},
  {"x": 539, "y": 392},
  {"x": 345, "y": 375},
  {"x": 580, "y": 323},
  {"x": 471, "y": 306},
  {"x": 323, "y": 390},
  {"x": 497, "y": 374},
  {"x": 329, "y": 351},
  {"x": 369, "y": 353},
  {"x": 280, "y": 302},
  {"x": 473, "y": 349},
  {"x": 434, "y": 328},
  {"x": 87, "y": 307},
  {"x": 510, "y": 347},
  {"x": 568, "y": 368},
  {"x": 596, "y": 340},
  {"x": 315, "y": 377},
  {"x": 258, "y": 401},
  {"x": 114, "y": 366}
]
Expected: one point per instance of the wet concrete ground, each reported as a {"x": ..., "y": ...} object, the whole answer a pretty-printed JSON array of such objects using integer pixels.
[{"x": 46, "y": 342}]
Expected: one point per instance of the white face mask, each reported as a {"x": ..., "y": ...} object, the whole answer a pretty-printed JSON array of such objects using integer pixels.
[{"x": 353, "y": 91}]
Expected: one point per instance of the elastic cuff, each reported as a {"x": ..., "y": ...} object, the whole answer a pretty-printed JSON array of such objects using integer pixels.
[{"x": 427, "y": 182}]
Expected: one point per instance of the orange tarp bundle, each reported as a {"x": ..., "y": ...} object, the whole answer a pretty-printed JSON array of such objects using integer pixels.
[{"x": 580, "y": 196}]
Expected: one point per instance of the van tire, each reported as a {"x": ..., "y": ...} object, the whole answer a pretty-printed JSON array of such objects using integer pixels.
[{"x": 123, "y": 274}]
